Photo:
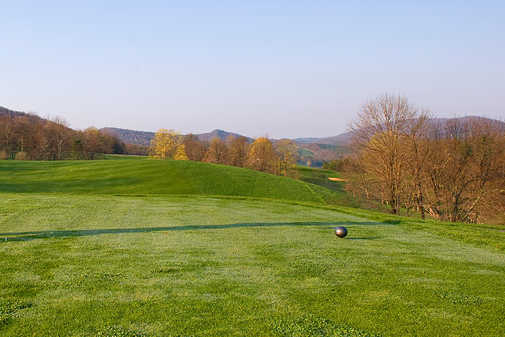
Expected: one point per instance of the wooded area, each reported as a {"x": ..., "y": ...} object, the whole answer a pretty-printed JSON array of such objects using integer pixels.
[
  {"x": 28, "y": 136},
  {"x": 403, "y": 160},
  {"x": 262, "y": 155}
]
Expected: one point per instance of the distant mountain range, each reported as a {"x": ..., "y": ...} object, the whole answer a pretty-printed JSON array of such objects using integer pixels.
[
  {"x": 131, "y": 136},
  {"x": 341, "y": 139},
  {"x": 145, "y": 137},
  {"x": 223, "y": 135}
]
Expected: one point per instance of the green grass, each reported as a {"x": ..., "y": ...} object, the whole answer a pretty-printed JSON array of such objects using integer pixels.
[
  {"x": 80, "y": 260},
  {"x": 320, "y": 177},
  {"x": 124, "y": 157},
  {"x": 153, "y": 177}
]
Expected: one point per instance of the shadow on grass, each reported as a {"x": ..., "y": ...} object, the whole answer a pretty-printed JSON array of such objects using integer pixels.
[
  {"x": 26, "y": 236},
  {"x": 364, "y": 238},
  {"x": 87, "y": 184}
]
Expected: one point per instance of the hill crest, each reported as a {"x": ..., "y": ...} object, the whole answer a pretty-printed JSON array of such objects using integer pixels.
[{"x": 13, "y": 113}]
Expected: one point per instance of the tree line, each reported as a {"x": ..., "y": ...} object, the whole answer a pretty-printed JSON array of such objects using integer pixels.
[
  {"x": 28, "y": 136},
  {"x": 406, "y": 161},
  {"x": 262, "y": 154}
]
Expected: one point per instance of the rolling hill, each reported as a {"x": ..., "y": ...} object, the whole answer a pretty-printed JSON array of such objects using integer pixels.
[
  {"x": 221, "y": 134},
  {"x": 131, "y": 136},
  {"x": 342, "y": 139},
  {"x": 13, "y": 113},
  {"x": 159, "y": 177}
]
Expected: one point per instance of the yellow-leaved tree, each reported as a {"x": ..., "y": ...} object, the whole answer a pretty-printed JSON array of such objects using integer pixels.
[
  {"x": 287, "y": 153},
  {"x": 261, "y": 156},
  {"x": 164, "y": 144},
  {"x": 180, "y": 153}
]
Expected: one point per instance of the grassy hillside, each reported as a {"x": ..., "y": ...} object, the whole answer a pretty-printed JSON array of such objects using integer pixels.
[
  {"x": 320, "y": 177},
  {"x": 153, "y": 177},
  {"x": 317, "y": 176}
]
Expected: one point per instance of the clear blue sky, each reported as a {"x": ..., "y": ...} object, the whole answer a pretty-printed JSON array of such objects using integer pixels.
[{"x": 282, "y": 68}]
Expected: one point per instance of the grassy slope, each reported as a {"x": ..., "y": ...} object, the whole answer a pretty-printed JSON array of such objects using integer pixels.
[
  {"x": 320, "y": 177},
  {"x": 89, "y": 263},
  {"x": 153, "y": 177}
]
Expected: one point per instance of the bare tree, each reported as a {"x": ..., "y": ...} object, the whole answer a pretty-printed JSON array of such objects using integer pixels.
[
  {"x": 418, "y": 150},
  {"x": 217, "y": 152},
  {"x": 57, "y": 137},
  {"x": 238, "y": 148},
  {"x": 465, "y": 174},
  {"x": 378, "y": 136},
  {"x": 195, "y": 149}
]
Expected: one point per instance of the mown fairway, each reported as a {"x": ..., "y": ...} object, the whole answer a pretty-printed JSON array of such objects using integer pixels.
[
  {"x": 148, "y": 177},
  {"x": 78, "y": 260}
]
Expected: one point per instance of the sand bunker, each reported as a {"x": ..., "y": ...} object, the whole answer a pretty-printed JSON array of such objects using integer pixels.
[{"x": 336, "y": 179}]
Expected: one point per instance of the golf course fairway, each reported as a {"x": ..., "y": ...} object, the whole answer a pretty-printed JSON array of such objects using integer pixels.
[{"x": 79, "y": 263}]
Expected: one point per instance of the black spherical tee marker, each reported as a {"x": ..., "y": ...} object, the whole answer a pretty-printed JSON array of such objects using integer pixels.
[{"x": 341, "y": 232}]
